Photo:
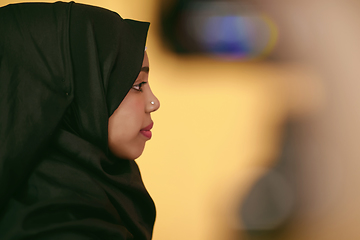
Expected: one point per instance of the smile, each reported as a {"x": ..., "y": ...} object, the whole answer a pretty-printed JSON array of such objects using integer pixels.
[{"x": 146, "y": 131}]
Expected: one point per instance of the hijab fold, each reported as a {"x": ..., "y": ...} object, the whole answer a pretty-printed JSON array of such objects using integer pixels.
[{"x": 64, "y": 69}]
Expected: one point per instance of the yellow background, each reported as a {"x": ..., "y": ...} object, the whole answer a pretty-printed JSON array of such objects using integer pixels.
[{"x": 217, "y": 130}]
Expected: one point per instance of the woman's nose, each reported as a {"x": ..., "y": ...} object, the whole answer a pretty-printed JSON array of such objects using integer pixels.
[{"x": 153, "y": 103}]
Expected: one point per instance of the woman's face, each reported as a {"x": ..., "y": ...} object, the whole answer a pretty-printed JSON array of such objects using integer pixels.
[{"x": 130, "y": 124}]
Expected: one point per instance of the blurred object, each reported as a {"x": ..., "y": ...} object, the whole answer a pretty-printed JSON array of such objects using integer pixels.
[
  {"x": 230, "y": 29},
  {"x": 271, "y": 200},
  {"x": 325, "y": 175}
]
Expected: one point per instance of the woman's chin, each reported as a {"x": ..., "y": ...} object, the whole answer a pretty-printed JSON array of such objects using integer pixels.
[{"x": 127, "y": 153}]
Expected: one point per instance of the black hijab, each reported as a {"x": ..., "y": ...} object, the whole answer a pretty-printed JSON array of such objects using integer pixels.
[{"x": 64, "y": 69}]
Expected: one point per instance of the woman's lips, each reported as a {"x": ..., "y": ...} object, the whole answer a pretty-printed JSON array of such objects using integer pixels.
[{"x": 146, "y": 131}]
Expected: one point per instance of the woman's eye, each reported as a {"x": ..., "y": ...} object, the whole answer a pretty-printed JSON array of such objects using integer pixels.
[{"x": 138, "y": 87}]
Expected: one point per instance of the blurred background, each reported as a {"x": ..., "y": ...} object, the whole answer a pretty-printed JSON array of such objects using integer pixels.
[{"x": 257, "y": 135}]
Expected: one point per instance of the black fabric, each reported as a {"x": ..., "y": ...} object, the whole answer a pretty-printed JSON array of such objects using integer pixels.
[{"x": 64, "y": 69}]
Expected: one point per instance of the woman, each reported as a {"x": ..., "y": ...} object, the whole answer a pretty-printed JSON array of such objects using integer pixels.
[{"x": 75, "y": 111}]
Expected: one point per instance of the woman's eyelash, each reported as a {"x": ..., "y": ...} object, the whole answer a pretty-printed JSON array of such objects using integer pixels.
[{"x": 138, "y": 87}]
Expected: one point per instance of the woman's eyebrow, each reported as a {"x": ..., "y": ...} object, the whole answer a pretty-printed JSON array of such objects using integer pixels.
[{"x": 145, "y": 69}]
